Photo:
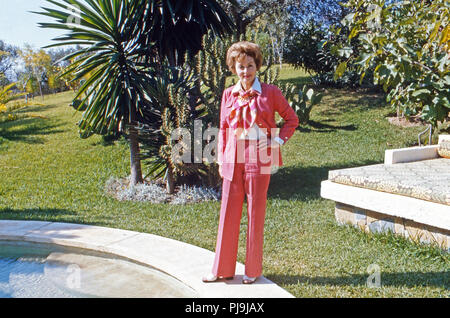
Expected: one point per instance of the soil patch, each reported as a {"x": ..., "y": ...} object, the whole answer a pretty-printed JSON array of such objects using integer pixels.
[{"x": 406, "y": 122}]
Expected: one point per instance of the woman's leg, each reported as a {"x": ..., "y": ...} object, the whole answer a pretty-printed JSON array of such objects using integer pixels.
[
  {"x": 229, "y": 224},
  {"x": 256, "y": 187}
]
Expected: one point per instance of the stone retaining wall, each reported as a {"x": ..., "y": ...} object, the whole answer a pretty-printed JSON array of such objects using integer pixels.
[{"x": 374, "y": 222}]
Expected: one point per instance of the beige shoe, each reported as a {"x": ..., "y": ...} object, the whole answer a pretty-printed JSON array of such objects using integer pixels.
[
  {"x": 213, "y": 278},
  {"x": 248, "y": 280}
]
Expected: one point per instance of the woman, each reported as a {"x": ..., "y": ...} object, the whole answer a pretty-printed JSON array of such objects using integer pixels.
[{"x": 248, "y": 149}]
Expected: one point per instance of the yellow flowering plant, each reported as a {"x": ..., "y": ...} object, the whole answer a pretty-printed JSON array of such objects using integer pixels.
[{"x": 6, "y": 96}]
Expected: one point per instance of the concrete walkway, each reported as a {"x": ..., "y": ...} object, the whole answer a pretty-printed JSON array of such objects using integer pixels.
[{"x": 185, "y": 262}]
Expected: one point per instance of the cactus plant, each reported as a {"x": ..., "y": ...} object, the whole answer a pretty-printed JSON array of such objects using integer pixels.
[{"x": 303, "y": 102}]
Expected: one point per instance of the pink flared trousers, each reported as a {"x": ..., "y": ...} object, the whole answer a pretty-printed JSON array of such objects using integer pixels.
[{"x": 250, "y": 181}]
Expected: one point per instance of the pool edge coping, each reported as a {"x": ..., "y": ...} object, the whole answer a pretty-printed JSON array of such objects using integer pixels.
[{"x": 185, "y": 262}]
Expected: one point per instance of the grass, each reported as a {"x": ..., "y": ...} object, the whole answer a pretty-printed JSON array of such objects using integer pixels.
[{"x": 49, "y": 173}]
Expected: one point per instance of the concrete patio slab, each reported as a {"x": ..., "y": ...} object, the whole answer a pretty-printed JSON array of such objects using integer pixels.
[{"x": 183, "y": 261}]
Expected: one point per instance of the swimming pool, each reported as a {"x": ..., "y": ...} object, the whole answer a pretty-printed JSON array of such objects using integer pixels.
[{"x": 35, "y": 270}]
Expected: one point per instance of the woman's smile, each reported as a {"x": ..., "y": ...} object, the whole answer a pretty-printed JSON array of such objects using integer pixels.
[{"x": 246, "y": 71}]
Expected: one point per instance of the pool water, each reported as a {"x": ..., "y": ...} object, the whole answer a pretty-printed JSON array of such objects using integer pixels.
[{"x": 31, "y": 270}]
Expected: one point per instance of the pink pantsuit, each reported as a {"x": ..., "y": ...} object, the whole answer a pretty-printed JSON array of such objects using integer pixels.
[{"x": 246, "y": 172}]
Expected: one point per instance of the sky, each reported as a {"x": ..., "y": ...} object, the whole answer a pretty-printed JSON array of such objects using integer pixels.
[{"x": 19, "y": 26}]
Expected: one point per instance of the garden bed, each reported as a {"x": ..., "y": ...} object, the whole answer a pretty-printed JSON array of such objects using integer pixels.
[{"x": 154, "y": 191}]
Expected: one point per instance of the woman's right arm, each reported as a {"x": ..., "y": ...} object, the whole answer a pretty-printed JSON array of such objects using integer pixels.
[{"x": 223, "y": 125}]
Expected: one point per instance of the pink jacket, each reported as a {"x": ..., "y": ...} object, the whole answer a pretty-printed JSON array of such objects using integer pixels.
[{"x": 270, "y": 100}]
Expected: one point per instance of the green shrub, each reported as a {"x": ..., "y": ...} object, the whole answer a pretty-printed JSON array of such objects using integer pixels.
[{"x": 407, "y": 44}]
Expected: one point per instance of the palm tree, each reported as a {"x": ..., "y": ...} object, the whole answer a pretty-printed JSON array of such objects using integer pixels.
[{"x": 120, "y": 42}]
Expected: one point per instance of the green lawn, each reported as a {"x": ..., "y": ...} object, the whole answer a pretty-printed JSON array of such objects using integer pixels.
[{"x": 49, "y": 173}]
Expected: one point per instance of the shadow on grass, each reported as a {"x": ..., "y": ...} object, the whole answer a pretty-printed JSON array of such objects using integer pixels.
[
  {"x": 402, "y": 279},
  {"x": 321, "y": 127},
  {"x": 343, "y": 101},
  {"x": 30, "y": 130},
  {"x": 109, "y": 140},
  {"x": 54, "y": 215},
  {"x": 35, "y": 108},
  {"x": 35, "y": 214},
  {"x": 303, "y": 183},
  {"x": 299, "y": 81}
]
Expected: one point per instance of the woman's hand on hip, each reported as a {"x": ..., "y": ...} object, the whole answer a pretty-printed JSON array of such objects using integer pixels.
[{"x": 264, "y": 143}]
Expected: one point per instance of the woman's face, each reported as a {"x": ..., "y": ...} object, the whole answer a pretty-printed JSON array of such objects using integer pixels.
[{"x": 246, "y": 71}]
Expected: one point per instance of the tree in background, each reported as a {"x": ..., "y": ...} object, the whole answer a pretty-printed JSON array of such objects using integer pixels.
[
  {"x": 269, "y": 16},
  {"x": 37, "y": 64},
  {"x": 245, "y": 12},
  {"x": 408, "y": 45},
  {"x": 8, "y": 54},
  {"x": 323, "y": 12},
  {"x": 309, "y": 27},
  {"x": 304, "y": 49},
  {"x": 314, "y": 44},
  {"x": 275, "y": 25},
  {"x": 55, "y": 83}
]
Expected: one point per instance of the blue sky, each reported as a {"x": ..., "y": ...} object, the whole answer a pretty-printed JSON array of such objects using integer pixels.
[{"x": 19, "y": 26}]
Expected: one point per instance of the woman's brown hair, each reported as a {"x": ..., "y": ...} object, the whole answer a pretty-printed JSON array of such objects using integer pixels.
[{"x": 241, "y": 49}]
